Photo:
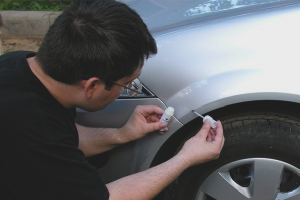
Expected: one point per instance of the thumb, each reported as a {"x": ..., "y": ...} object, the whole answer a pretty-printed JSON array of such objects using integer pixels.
[
  {"x": 205, "y": 129},
  {"x": 150, "y": 127}
]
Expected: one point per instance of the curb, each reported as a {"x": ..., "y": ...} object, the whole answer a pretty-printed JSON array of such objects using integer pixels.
[{"x": 26, "y": 23}]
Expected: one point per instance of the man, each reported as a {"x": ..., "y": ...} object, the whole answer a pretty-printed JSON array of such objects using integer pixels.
[{"x": 92, "y": 51}]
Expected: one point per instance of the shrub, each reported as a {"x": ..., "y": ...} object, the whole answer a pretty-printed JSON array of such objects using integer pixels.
[{"x": 35, "y": 5}]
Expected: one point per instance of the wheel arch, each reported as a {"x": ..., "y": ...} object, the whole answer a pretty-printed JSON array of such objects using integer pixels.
[
  {"x": 258, "y": 141},
  {"x": 169, "y": 148}
]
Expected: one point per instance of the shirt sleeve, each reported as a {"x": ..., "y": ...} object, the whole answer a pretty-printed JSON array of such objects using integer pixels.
[{"x": 54, "y": 171}]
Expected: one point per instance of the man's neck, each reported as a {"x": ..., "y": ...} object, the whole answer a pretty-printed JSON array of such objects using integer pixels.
[{"x": 60, "y": 91}]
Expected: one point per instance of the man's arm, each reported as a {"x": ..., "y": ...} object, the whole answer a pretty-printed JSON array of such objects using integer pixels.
[
  {"x": 93, "y": 141},
  {"x": 203, "y": 147},
  {"x": 144, "y": 119}
]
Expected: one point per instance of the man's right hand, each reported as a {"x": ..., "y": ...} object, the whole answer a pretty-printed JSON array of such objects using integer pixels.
[{"x": 206, "y": 145}]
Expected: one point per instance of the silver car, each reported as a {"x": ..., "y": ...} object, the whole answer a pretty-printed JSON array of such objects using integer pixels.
[{"x": 239, "y": 63}]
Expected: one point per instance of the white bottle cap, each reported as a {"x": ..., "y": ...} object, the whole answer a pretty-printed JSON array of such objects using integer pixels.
[
  {"x": 213, "y": 123},
  {"x": 169, "y": 111}
]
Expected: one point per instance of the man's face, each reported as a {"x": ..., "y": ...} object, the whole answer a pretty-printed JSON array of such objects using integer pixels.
[{"x": 102, "y": 98}]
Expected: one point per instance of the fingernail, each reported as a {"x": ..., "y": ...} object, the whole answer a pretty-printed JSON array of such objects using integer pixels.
[
  {"x": 206, "y": 121},
  {"x": 163, "y": 124}
]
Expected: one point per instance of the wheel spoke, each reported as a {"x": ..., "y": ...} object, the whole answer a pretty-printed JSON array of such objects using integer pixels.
[
  {"x": 294, "y": 195},
  {"x": 221, "y": 186},
  {"x": 266, "y": 178}
]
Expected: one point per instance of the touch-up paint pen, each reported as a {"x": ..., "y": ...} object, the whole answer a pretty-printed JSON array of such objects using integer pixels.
[
  {"x": 166, "y": 117},
  {"x": 213, "y": 123}
]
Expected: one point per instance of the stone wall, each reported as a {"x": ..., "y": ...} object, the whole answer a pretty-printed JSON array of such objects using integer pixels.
[{"x": 26, "y": 23}]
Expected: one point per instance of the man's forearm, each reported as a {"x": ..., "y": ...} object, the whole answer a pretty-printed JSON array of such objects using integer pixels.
[
  {"x": 149, "y": 183},
  {"x": 93, "y": 141}
]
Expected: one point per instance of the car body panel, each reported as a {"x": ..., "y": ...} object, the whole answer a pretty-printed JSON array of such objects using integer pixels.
[
  {"x": 116, "y": 114},
  {"x": 226, "y": 60},
  {"x": 205, "y": 63}
]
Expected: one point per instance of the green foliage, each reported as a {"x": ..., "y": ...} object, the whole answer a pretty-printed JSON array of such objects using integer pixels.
[{"x": 34, "y": 5}]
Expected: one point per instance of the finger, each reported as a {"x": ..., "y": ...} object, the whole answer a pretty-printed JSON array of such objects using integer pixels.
[
  {"x": 209, "y": 138},
  {"x": 219, "y": 137},
  {"x": 153, "y": 118},
  {"x": 150, "y": 127},
  {"x": 213, "y": 133},
  {"x": 164, "y": 130},
  {"x": 204, "y": 131},
  {"x": 147, "y": 110},
  {"x": 219, "y": 128},
  {"x": 223, "y": 142}
]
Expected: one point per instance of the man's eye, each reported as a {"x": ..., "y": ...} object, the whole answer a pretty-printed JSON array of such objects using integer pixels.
[{"x": 129, "y": 84}]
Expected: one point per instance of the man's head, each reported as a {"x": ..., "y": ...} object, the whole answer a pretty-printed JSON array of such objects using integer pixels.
[{"x": 95, "y": 38}]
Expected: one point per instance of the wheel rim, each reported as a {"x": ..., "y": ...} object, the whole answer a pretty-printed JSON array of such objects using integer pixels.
[{"x": 255, "y": 179}]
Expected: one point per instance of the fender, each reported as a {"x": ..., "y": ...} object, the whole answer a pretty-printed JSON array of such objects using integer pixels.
[
  {"x": 222, "y": 65},
  {"x": 217, "y": 53},
  {"x": 242, "y": 86}
]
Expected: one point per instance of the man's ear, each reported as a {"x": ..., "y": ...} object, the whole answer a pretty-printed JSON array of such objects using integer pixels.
[{"x": 90, "y": 85}]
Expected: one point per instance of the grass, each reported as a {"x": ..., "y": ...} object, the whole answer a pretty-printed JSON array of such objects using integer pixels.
[{"x": 34, "y": 5}]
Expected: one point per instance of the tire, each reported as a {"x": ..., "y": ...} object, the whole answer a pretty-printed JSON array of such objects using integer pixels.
[{"x": 260, "y": 161}]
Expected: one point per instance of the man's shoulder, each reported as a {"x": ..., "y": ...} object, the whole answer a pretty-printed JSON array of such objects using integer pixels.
[
  {"x": 13, "y": 66},
  {"x": 13, "y": 55},
  {"x": 8, "y": 59}
]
